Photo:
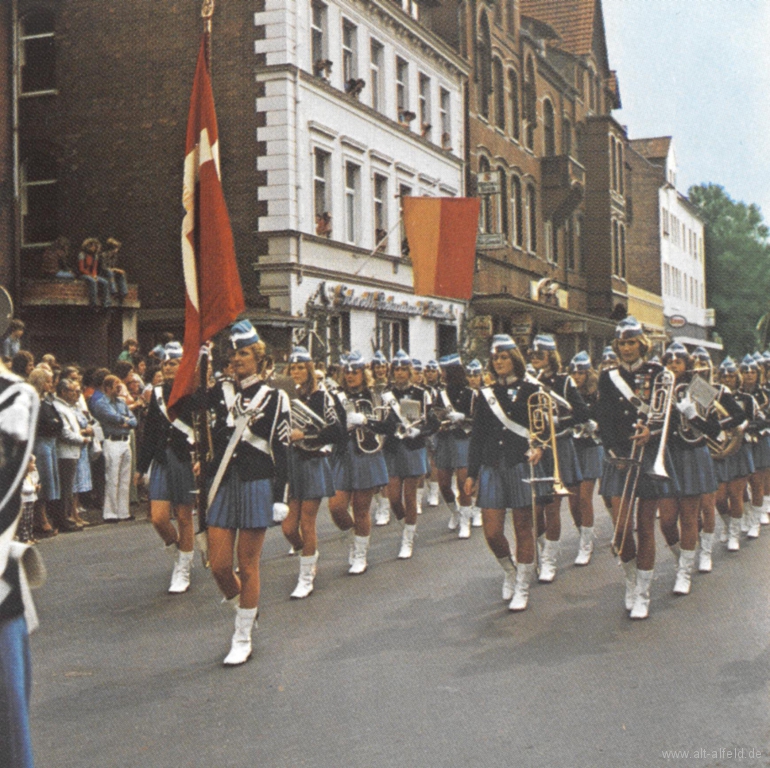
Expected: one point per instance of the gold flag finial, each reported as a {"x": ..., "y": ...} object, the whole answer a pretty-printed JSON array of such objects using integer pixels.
[{"x": 207, "y": 11}]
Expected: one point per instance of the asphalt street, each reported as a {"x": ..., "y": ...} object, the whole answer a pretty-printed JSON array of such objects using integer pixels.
[{"x": 415, "y": 663}]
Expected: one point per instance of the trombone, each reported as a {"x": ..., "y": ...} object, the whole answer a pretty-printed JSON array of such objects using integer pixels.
[
  {"x": 542, "y": 434},
  {"x": 661, "y": 401}
]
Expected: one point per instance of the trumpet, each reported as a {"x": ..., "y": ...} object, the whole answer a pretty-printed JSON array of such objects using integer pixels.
[{"x": 308, "y": 421}]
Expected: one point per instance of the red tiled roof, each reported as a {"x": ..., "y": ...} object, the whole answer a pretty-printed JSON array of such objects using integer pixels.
[
  {"x": 652, "y": 149},
  {"x": 572, "y": 19}
]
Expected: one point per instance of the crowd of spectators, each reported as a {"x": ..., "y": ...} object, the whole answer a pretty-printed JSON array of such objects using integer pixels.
[{"x": 89, "y": 428}]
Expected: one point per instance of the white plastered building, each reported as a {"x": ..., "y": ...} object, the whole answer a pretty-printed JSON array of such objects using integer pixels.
[{"x": 360, "y": 105}]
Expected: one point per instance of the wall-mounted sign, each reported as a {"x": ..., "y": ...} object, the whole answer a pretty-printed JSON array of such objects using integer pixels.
[
  {"x": 490, "y": 240},
  {"x": 677, "y": 321},
  {"x": 488, "y": 183}
]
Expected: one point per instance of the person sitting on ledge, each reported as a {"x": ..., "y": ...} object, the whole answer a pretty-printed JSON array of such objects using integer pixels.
[
  {"x": 88, "y": 270},
  {"x": 108, "y": 269}
]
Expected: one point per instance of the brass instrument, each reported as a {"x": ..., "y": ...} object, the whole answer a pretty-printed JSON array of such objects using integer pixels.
[
  {"x": 542, "y": 434},
  {"x": 308, "y": 421},
  {"x": 589, "y": 430},
  {"x": 661, "y": 401},
  {"x": 412, "y": 415},
  {"x": 706, "y": 398},
  {"x": 445, "y": 423},
  {"x": 377, "y": 413}
]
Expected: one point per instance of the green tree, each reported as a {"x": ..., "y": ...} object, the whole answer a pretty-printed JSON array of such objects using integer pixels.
[{"x": 737, "y": 266}]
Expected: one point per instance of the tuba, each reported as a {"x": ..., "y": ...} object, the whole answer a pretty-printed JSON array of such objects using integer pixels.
[
  {"x": 373, "y": 412},
  {"x": 307, "y": 420}
]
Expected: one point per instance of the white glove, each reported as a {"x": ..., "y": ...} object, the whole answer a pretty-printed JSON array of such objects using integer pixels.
[
  {"x": 356, "y": 419},
  {"x": 592, "y": 425},
  {"x": 411, "y": 433},
  {"x": 455, "y": 416},
  {"x": 687, "y": 408},
  {"x": 280, "y": 511}
]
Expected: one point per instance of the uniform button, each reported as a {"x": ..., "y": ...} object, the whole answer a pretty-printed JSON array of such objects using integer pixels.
[{"x": 501, "y": 442}]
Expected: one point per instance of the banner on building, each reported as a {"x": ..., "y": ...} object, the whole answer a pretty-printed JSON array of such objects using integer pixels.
[
  {"x": 442, "y": 244},
  {"x": 214, "y": 297}
]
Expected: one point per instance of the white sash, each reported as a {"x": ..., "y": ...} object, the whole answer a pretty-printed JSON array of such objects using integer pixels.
[
  {"x": 622, "y": 386},
  {"x": 497, "y": 409},
  {"x": 185, "y": 429}
]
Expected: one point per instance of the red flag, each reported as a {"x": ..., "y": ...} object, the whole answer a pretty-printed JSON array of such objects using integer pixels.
[
  {"x": 214, "y": 297},
  {"x": 442, "y": 244}
]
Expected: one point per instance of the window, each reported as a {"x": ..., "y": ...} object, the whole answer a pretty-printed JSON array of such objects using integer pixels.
[
  {"x": 530, "y": 103},
  {"x": 613, "y": 167},
  {"x": 446, "y": 119},
  {"x": 487, "y": 212},
  {"x": 485, "y": 66},
  {"x": 38, "y": 181},
  {"x": 517, "y": 214},
  {"x": 513, "y": 81},
  {"x": 376, "y": 74},
  {"x": 403, "y": 191},
  {"x": 392, "y": 335},
  {"x": 664, "y": 218},
  {"x": 666, "y": 278},
  {"x": 339, "y": 334},
  {"x": 349, "y": 54},
  {"x": 549, "y": 130},
  {"x": 37, "y": 53},
  {"x": 569, "y": 243},
  {"x": 531, "y": 219},
  {"x": 380, "y": 212},
  {"x": 620, "y": 167},
  {"x": 591, "y": 90},
  {"x": 319, "y": 40},
  {"x": 550, "y": 239},
  {"x": 622, "y": 255},
  {"x": 497, "y": 70},
  {"x": 402, "y": 89},
  {"x": 510, "y": 8},
  {"x": 566, "y": 137},
  {"x": 352, "y": 198},
  {"x": 425, "y": 108},
  {"x": 321, "y": 192},
  {"x": 581, "y": 244},
  {"x": 503, "y": 198}
]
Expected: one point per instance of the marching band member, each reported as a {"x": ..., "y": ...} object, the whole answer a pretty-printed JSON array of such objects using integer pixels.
[
  {"x": 474, "y": 374},
  {"x": 590, "y": 454},
  {"x": 733, "y": 471},
  {"x": 432, "y": 382},
  {"x": 166, "y": 450},
  {"x": 760, "y": 447},
  {"x": 625, "y": 395},
  {"x": 381, "y": 373},
  {"x": 609, "y": 359},
  {"x": 418, "y": 381},
  {"x": 405, "y": 452},
  {"x": 764, "y": 517},
  {"x": 571, "y": 412},
  {"x": 417, "y": 378},
  {"x": 500, "y": 461},
  {"x": 457, "y": 401},
  {"x": 359, "y": 467},
  {"x": 694, "y": 470},
  {"x": 250, "y": 434},
  {"x": 310, "y": 473}
]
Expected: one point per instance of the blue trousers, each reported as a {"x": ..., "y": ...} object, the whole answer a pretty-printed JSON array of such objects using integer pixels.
[
  {"x": 15, "y": 689},
  {"x": 103, "y": 287}
]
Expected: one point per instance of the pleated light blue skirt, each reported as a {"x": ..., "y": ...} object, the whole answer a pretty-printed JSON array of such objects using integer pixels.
[
  {"x": 451, "y": 451},
  {"x": 354, "y": 471},
  {"x": 172, "y": 481},
  {"x": 309, "y": 477},
  {"x": 613, "y": 478},
  {"x": 48, "y": 468},
  {"x": 761, "y": 451},
  {"x": 504, "y": 487},
  {"x": 569, "y": 466},
  {"x": 83, "y": 483},
  {"x": 242, "y": 503},
  {"x": 591, "y": 460},
  {"x": 694, "y": 470},
  {"x": 740, "y": 464},
  {"x": 406, "y": 462}
]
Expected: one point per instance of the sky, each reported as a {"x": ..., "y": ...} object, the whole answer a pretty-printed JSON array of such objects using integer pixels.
[{"x": 698, "y": 70}]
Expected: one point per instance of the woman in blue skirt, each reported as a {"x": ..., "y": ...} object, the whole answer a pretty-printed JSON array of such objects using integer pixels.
[
  {"x": 166, "y": 451},
  {"x": 310, "y": 473},
  {"x": 455, "y": 402},
  {"x": 572, "y": 412},
  {"x": 405, "y": 451},
  {"x": 733, "y": 471},
  {"x": 248, "y": 483},
  {"x": 590, "y": 455},
  {"x": 358, "y": 466},
  {"x": 760, "y": 442},
  {"x": 500, "y": 463},
  {"x": 694, "y": 469}
]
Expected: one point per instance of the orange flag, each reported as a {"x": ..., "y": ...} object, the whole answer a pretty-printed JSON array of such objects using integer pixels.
[
  {"x": 214, "y": 297},
  {"x": 442, "y": 244}
]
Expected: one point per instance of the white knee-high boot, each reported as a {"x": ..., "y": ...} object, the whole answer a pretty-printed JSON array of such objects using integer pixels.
[
  {"x": 548, "y": 561},
  {"x": 706, "y": 547},
  {"x": 407, "y": 542},
  {"x": 240, "y": 650},
  {"x": 586, "y": 548},
  {"x": 753, "y": 514},
  {"x": 630, "y": 571},
  {"x": 180, "y": 576},
  {"x": 358, "y": 558},
  {"x": 684, "y": 572},
  {"x": 307, "y": 571},
  {"x": 507, "y": 564},
  {"x": 524, "y": 573},
  {"x": 641, "y": 607},
  {"x": 465, "y": 523}
]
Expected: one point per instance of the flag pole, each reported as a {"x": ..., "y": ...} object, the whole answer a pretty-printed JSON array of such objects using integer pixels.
[{"x": 207, "y": 11}]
